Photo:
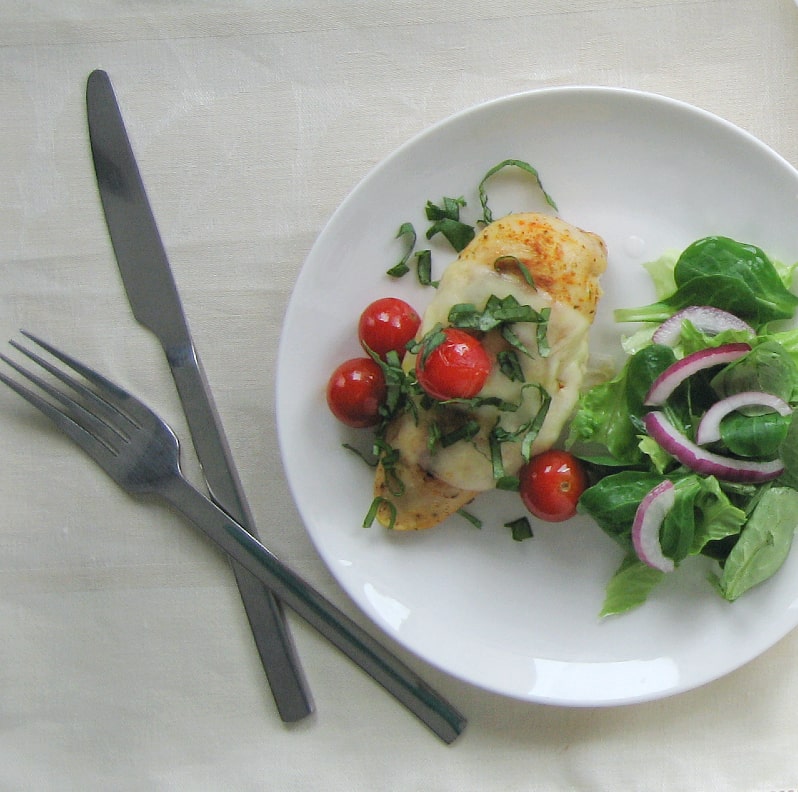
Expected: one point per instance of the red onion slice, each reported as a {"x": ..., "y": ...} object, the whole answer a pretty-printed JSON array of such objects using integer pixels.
[
  {"x": 647, "y": 523},
  {"x": 707, "y": 319},
  {"x": 678, "y": 372},
  {"x": 705, "y": 462},
  {"x": 709, "y": 428}
]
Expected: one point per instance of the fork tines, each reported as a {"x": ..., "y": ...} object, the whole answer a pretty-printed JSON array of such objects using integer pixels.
[{"x": 88, "y": 412}]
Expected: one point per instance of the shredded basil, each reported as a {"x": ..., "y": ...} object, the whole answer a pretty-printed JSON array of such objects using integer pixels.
[
  {"x": 424, "y": 268},
  {"x": 374, "y": 508},
  {"x": 510, "y": 365},
  {"x": 465, "y": 432},
  {"x": 403, "y": 390},
  {"x": 544, "y": 350},
  {"x": 497, "y": 312},
  {"x": 510, "y": 336},
  {"x": 520, "y": 529},
  {"x": 446, "y": 221},
  {"x": 527, "y": 433},
  {"x": 487, "y": 215},
  {"x": 370, "y": 462},
  {"x": 402, "y": 268},
  {"x": 533, "y": 427},
  {"x": 430, "y": 341},
  {"x": 388, "y": 456},
  {"x": 501, "y": 313},
  {"x": 484, "y": 401},
  {"x": 504, "y": 262},
  {"x": 473, "y": 519},
  {"x": 495, "y": 439}
]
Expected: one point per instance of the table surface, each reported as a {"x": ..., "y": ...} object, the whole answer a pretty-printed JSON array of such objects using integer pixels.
[{"x": 126, "y": 660}]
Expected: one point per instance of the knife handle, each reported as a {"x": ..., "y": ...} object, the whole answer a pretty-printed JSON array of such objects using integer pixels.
[
  {"x": 273, "y": 640},
  {"x": 275, "y": 647}
]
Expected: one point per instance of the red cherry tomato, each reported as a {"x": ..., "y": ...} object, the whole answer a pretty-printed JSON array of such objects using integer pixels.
[
  {"x": 550, "y": 485},
  {"x": 455, "y": 369},
  {"x": 387, "y": 324},
  {"x": 355, "y": 392}
]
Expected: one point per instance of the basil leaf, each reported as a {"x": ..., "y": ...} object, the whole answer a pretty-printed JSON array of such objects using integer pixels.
[
  {"x": 520, "y": 529},
  {"x": 464, "y": 432},
  {"x": 446, "y": 221},
  {"x": 424, "y": 268},
  {"x": 502, "y": 313},
  {"x": 509, "y": 335},
  {"x": 544, "y": 350},
  {"x": 448, "y": 210},
  {"x": 504, "y": 263},
  {"x": 532, "y": 428},
  {"x": 510, "y": 365},
  {"x": 457, "y": 234},
  {"x": 487, "y": 215},
  {"x": 495, "y": 439},
  {"x": 374, "y": 508},
  {"x": 401, "y": 268},
  {"x": 426, "y": 345},
  {"x": 473, "y": 519},
  {"x": 370, "y": 461}
]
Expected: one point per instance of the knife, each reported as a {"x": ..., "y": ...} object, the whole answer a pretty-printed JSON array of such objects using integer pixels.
[{"x": 153, "y": 297}]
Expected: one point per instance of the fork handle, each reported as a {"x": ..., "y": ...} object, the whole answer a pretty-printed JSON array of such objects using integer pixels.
[{"x": 397, "y": 678}]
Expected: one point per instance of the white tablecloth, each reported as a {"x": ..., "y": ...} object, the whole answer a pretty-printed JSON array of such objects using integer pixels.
[{"x": 126, "y": 662}]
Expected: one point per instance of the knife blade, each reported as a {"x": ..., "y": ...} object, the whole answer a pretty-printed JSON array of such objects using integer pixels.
[{"x": 155, "y": 302}]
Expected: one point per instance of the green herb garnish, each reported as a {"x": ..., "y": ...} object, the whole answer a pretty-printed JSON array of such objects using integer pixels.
[
  {"x": 446, "y": 221},
  {"x": 401, "y": 267},
  {"x": 520, "y": 529},
  {"x": 487, "y": 215}
]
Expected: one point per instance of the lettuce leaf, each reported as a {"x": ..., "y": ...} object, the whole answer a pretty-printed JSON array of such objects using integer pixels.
[
  {"x": 630, "y": 586},
  {"x": 608, "y": 421},
  {"x": 763, "y": 545}
]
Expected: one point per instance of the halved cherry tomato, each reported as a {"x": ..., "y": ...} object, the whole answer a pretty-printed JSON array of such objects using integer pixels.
[
  {"x": 355, "y": 392},
  {"x": 551, "y": 484},
  {"x": 387, "y": 324},
  {"x": 456, "y": 368}
]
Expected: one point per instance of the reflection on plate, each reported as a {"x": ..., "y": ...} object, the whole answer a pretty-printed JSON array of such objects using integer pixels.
[{"x": 647, "y": 173}]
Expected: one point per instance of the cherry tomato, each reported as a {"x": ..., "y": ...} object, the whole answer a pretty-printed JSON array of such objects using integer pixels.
[
  {"x": 455, "y": 369},
  {"x": 387, "y": 324},
  {"x": 355, "y": 392},
  {"x": 551, "y": 483}
]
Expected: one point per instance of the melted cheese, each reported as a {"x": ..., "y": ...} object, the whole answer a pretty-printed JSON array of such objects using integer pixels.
[{"x": 565, "y": 263}]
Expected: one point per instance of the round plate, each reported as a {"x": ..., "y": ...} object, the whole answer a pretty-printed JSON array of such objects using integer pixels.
[{"x": 647, "y": 173}]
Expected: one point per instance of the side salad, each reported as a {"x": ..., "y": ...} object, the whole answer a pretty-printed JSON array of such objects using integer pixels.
[{"x": 693, "y": 445}]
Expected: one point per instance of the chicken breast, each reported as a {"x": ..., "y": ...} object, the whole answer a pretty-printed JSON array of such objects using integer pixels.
[{"x": 427, "y": 483}]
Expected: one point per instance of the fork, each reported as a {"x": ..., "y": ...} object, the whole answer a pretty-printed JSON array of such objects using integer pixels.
[{"x": 141, "y": 453}]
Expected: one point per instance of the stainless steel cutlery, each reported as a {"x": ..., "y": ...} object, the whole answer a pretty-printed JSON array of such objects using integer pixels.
[
  {"x": 139, "y": 451},
  {"x": 153, "y": 296}
]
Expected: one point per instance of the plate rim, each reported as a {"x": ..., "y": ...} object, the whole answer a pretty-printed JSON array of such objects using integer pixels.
[{"x": 593, "y": 91}]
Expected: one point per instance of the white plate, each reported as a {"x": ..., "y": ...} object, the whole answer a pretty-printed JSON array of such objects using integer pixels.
[{"x": 647, "y": 173}]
